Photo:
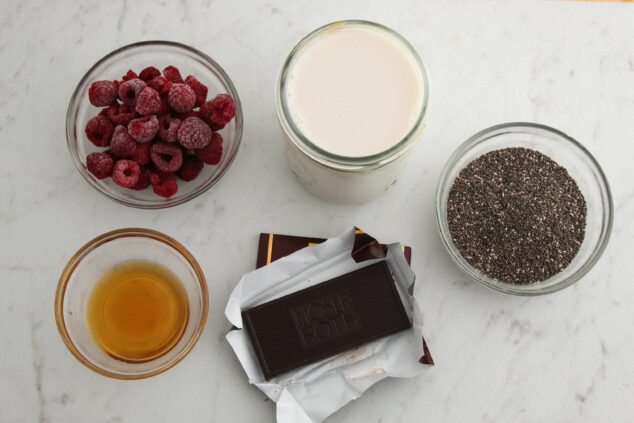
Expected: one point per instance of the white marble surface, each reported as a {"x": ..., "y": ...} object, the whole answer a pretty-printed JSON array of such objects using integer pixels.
[{"x": 563, "y": 357}]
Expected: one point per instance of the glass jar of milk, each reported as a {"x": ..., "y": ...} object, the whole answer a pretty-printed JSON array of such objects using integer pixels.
[{"x": 352, "y": 99}]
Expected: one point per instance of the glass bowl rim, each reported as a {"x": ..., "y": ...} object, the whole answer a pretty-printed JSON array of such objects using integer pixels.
[
  {"x": 517, "y": 289},
  {"x": 165, "y": 203},
  {"x": 94, "y": 244},
  {"x": 339, "y": 162}
]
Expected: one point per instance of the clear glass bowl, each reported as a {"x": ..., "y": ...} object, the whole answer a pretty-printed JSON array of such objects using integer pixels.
[
  {"x": 136, "y": 57},
  {"x": 568, "y": 153},
  {"x": 96, "y": 257}
]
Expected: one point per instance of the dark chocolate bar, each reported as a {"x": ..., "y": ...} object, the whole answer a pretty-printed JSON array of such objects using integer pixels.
[
  {"x": 325, "y": 319},
  {"x": 272, "y": 247}
]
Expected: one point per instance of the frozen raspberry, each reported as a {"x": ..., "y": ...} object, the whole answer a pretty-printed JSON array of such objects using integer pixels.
[
  {"x": 199, "y": 89},
  {"x": 99, "y": 131},
  {"x": 166, "y": 157},
  {"x": 129, "y": 75},
  {"x": 181, "y": 98},
  {"x": 168, "y": 128},
  {"x": 149, "y": 73},
  {"x": 142, "y": 153},
  {"x": 191, "y": 168},
  {"x": 126, "y": 173},
  {"x": 216, "y": 126},
  {"x": 129, "y": 91},
  {"x": 213, "y": 152},
  {"x": 165, "y": 108},
  {"x": 194, "y": 133},
  {"x": 183, "y": 116},
  {"x": 160, "y": 84},
  {"x": 143, "y": 182},
  {"x": 163, "y": 183},
  {"x": 144, "y": 129},
  {"x": 148, "y": 102},
  {"x": 219, "y": 110},
  {"x": 99, "y": 164},
  {"x": 173, "y": 74},
  {"x": 119, "y": 114},
  {"x": 122, "y": 144},
  {"x": 102, "y": 93}
]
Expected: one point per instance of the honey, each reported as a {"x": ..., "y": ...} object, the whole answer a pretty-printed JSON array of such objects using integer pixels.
[{"x": 137, "y": 311}]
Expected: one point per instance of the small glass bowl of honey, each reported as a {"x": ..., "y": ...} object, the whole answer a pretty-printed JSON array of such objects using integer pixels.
[{"x": 131, "y": 303}]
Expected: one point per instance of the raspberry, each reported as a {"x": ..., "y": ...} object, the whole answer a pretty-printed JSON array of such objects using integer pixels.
[
  {"x": 219, "y": 110},
  {"x": 142, "y": 153},
  {"x": 167, "y": 157},
  {"x": 199, "y": 89},
  {"x": 149, "y": 73},
  {"x": 163, "y": 183},
  {"x": 148, "y": 102},
  {"x": 102, "y": 93},
  {"x": 194, "y": 133},
  {"x": 130, "y": 74},
  {"x": 144, "y": 180},
  {"x": 130, "y": 90},
  {"x": 183, "y": 116},
  {"x": 213, "y": 152},
  {"x": 122, "y": 144},
  {"x": 119, "y": 114},
  {"x": 181, "y": 98},
  {"x": 99, "y": 131},
  {"x": 168, "y": 128},
  {"x": 126, "y": 173},
  {"x": 165, "y": 108},
  {"x": 216, "y": 126},
  {"x": 144, "y": 129},
  {"x": 160, "y": 84},
  {"x": 99, "y": 164},
  {"x": 191, "y": 168},
  {"x": 173, "y": 74}
]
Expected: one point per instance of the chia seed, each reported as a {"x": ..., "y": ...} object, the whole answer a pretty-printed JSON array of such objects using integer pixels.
[{"x": 516, "y": 215}]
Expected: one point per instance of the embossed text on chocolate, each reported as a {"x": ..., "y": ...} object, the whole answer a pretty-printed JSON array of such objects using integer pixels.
[{"x": 325, "y": 319}]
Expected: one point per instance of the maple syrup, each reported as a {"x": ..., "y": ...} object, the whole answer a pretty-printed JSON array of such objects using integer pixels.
[{"x": 137, "y": 311}]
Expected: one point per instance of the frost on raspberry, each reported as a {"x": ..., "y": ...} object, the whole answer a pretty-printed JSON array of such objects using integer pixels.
[
  {"x": 144, "y": 129},
  {"x": 181, "y": 98},
  {"x": 99, "y": 131},
  {"x": 102, "y": 93},
  {"x": 122, "y": 144},
  {"x": 212, "y": 153},
  {"x": 167, "y": 157},
  {"x": 194, "y": 133},
  {"x": 148, "y": 102},
  {"x": 126, "y": 173},
  {"x": 99, "y": 164},
  {"x": 129, "y": 91}
]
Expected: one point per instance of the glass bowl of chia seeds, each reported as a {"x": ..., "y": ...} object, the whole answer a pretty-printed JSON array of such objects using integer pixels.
[{"x": 524, "y": 209}]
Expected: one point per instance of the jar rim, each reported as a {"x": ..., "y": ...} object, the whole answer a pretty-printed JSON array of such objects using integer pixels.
[{"x": 325, "y": 157}]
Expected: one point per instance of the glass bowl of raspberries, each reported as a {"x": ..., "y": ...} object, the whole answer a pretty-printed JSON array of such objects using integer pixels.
[{"x": 154, "y": 124}]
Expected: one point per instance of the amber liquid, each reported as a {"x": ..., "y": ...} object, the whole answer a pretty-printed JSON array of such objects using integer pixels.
[{"x": 137, "y": 311}]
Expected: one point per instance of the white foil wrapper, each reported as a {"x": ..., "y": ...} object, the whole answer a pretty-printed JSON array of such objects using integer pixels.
[{"x": 311, "y": 393}]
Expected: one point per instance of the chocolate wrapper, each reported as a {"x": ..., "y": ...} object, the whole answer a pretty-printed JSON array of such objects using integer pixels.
[
  {"x": 313, "y": 392},
  {"x": 272, "y": 247}
]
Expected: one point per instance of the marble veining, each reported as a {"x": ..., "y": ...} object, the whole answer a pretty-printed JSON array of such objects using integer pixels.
[{"x": 563, "y": 357}]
